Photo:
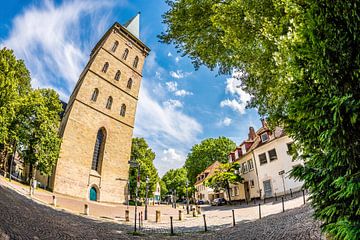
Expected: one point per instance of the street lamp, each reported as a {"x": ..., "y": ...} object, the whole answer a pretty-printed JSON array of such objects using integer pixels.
[
  {"x": 187, "y": 197},
  {"x": 146, "y": 197},
  {"x": 133, "y": 163}
]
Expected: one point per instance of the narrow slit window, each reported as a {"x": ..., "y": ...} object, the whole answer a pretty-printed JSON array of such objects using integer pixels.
[
  {"x": 117, "y": 75},
  {"x": 115, "y": 45},
  {"x": 129, "y": 83},
  {"x": 123, "y": 110},
  {"x": 109, "y": 102},
  {"x": 105, "y": 67},
  {"x": 125, "y": 54},
  {"x": 136, "y": 61},
  {"x": 95, "y": 95}
]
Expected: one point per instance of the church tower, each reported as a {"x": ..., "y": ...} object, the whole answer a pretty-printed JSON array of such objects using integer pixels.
[{"x": 98, "y": 123}]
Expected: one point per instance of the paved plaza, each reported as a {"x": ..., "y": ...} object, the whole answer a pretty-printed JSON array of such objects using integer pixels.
[{"x": 25, "y": 218}]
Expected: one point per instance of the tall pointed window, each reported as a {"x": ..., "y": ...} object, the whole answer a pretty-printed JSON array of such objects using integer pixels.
[
  {"x": 105, "y": 67},
  {"x": 98, "y": 150},
  {"x": 125, "y": 54},
  {"x": 123, "y": 110},
  {"x": 95, "y": 95},
  {"x": 129, "y": 83},
  {"x": 109, "y": 102},
  {"x": 136, "y": 61},
  {"x": 117, "y": 75},
  {"x": 114, "y": 47}
]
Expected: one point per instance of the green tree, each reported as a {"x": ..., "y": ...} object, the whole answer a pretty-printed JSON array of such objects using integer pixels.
[
  {"x": 225, "y": 175},
  {"x": 37, "y": 124},
  {"x": 299, "y": 60},
  {"x": 14, "y": 87},
  {"x": 163, "y": 189},
  {"x": 175, "y": 179},
  {"x": 206, "y": 153},
  {"x": 142, "y": 153}
]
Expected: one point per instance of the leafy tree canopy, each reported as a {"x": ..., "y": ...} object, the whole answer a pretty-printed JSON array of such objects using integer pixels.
[
  {"x": 300, "y": 62},
  {"x": 225, "y": 175},
  {"x": 206, "y": 153},
  {"x": 175, "y": 179},
  {"x": 142, "y": 153}
]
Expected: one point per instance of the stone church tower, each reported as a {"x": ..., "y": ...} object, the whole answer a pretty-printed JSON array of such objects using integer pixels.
[{"x": 98, "y": 123}]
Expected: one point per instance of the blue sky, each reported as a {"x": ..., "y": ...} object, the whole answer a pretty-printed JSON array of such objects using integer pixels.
[{"x": 178, "y": 106}]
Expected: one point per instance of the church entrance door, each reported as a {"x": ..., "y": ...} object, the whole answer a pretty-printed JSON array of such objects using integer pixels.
[{"x": 93, "y": 194}]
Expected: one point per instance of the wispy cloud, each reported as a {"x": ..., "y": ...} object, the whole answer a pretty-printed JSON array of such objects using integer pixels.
[
  {"x": 173, "y": 87},
  {"x": 225, "y": 122},
  {"x": 178, "y": 74},
  {"x": 49, "y": 39},
  {"x": 173, "y": 103},
  {"x": 241, "y": 98},
  {"x": 177, "y": 59}
]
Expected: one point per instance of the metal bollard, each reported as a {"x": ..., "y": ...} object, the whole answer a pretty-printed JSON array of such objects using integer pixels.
[
  {"x": 171, "y": 226},
  {"x": 303, "y": 195},
  {"x": 139, "y": 221},
  {"x": 233, "y": 215},
  {"x": 259, "y": 211},
  {"x": 205, "y": 223},
  {"x": 127, "y": 218},
  {"x": 291, "y": 193},
  {"x": 54, "y": 201},
  {"x": 158, "y": 216},
  {"x": 282, "y": 200},
  {"x": 180, "y": 215},
  {"x": 194, "y": 212},
  {"x": 142, "y": 219},
  {"x": 86, "y": 209}
]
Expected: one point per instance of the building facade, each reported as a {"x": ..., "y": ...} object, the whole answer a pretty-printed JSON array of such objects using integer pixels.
[
  {"x": 265, "y": 164},
  {"x": 98, "y": 122}
]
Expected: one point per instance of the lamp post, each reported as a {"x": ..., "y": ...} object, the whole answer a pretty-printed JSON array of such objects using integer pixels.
[
  {"x": 187, "y": 197},
  {"x": 146, "y": 197},
  {"x": 134, "y": 163}
]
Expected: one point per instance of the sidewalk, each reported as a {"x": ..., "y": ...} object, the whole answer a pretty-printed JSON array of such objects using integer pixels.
[{"x": 98, "y": 210}]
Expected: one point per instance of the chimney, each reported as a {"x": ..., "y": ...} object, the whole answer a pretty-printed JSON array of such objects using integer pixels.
[
  {"x": 264, "y": 123},
  {"x": 252, "y": 134}
]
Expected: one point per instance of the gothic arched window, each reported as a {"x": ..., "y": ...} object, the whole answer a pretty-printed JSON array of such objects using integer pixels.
[
  {"x": 123, "y": 110},
  {"x": 98, "y": 150},
  {"x": 109, "y": 102},
  {"x": 129, "y": 84},
  {"x": 136, "y": 61},
  {"x": 95, "y": 95},
  {"x": 125, "y": 54},
  {"x": 117, "y": 75},
  {"x": 105, "y": 67},
  {"x": 116, "y": 43}
]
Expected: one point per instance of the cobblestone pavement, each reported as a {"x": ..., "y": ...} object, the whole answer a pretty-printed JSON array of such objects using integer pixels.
[{"x": 22, "y": 218}]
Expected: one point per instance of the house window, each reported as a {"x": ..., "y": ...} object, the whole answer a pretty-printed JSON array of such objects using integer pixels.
[
  {"x": 117, "y": 75},
  {"x": 250, "y": 164},
  {"x": 264, "y": 137},
  {"x": 136, "y": 61},
  {"x": 125, "y": 54},
  {"x": 252, "y": 184},
  {"x": 123, "y": 110},
  {"x": 231, "y": 192},
  {"x": 129, "y": 83},
  {"x": 244, "y": 167},
  {"x": 105, "y": 67},
  {"x": 98, "y": 150},
  {"x": 116, "y": 43},
  {"x": 109, "y": 102},
  {"x": 289, "y": 147},
  {"x": 236, "y": 191},
  {"x": 262, "y": 158},
  {"x": 243, "y": 149},
  {"x": 272, "y": 155},
  {"x": 95, "y": 95}
]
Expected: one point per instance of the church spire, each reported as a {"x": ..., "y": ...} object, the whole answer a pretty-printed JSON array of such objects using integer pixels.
[{"x": 133, "y": 25}]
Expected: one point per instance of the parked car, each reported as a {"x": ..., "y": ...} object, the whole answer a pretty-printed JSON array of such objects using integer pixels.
[
  {"x": 200, "y": 202},
  {"x": 218, "y": 202}
]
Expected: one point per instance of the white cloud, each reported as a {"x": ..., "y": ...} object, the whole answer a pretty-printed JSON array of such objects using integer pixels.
[
  {"x": 167, "y": 125},
  {"x": 182, "y": 92},
  {"x": 225, "y": 122},
  {"x": 169, "y": 54},
  {"x": 48, "y": 38},
  {"x": 179, "y": 74},
  {"x": 177, "y": 59},
  {"x": 171, "y": 86},
  {"x": 241, "y": 98},
  {"x": 172, "y": 103},
  {"x": 170, "y": 156}
]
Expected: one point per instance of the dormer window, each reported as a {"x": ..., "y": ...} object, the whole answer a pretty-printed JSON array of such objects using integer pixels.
[
  {"x": 264, "y": 137},
  {"x": 243, "y": 149}
]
